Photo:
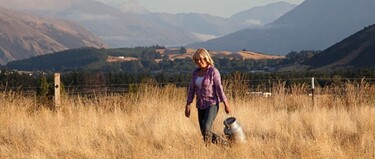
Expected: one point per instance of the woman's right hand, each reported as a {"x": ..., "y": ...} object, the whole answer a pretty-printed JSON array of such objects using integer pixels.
[{"x": 187, "y": 111}]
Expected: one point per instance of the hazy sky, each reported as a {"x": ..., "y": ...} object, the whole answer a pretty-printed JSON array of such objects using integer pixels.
[{"x": 224, "y": 8}]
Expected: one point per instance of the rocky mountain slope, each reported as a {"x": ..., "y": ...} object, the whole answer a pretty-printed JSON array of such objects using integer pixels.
[{"x": 23, "y": 36}]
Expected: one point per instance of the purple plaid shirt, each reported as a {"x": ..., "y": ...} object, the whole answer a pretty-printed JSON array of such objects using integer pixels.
[{"x": 211, "y": 92}]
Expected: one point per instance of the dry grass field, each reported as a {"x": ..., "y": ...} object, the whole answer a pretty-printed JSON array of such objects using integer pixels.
[{"x": 151, "y": 124}]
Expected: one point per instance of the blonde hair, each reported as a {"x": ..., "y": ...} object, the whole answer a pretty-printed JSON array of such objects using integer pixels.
[{"x": 202, "y": 53}]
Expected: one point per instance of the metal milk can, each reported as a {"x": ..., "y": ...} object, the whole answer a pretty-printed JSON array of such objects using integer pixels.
[{"x": 233, "y": 130}]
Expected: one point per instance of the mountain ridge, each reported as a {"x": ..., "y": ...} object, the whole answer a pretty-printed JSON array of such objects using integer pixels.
[
  {"x": 354, "y": 51},
  {"x": 264, "y": 14}
]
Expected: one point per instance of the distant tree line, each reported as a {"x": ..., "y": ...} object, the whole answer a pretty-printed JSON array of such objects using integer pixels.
[{"x": 88, "y": 66}]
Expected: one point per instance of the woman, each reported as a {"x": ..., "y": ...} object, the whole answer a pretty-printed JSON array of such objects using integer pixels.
[{"x": 206, "y": 85}]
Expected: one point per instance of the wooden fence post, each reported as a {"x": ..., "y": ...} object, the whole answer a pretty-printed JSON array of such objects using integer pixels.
[{"x": 57, "y": 90}]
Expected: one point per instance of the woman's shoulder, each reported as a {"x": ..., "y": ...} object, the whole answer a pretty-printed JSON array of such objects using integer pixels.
[{"x": 213, "y": 69}]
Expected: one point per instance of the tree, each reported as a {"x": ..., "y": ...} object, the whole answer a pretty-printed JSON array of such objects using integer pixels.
[
  {"x": 44, "y": 93},
  {"x": 44, "y": 87},
  {"x": 182, "y": 50}
]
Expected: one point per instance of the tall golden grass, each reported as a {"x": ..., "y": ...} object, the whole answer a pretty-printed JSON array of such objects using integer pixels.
[{"x": 150, "y": 123}]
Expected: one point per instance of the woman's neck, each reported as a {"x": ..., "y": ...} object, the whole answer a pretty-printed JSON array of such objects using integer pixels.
[{"x": 204, "y": 68}]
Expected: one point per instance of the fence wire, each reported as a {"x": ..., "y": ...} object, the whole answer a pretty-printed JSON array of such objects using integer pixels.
[{"x": 253, "y": 85}]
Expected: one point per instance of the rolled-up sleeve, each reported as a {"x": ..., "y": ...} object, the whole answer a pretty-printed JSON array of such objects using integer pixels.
[{"x": 218, "y": 86}]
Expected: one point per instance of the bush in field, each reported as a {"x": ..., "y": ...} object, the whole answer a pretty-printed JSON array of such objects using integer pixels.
[{"x": 44, "y": 92}]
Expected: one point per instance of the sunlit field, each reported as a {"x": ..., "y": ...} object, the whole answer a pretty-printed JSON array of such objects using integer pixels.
[{"x": 150, "y": 123}]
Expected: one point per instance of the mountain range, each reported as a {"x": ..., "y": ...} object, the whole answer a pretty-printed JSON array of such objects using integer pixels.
[
  {"x": 129, "y": 29},
  {"x": 312, "y": 25},
  {"x": 31, "y": 30},
  {"x": 23, "y": 36}
]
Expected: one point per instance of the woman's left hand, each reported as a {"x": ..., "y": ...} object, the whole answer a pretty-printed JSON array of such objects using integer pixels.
[
  {"x": 227, "y": 108},
  {"x": 187, "y": 111}
]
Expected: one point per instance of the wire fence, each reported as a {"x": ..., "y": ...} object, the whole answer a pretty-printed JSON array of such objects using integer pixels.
[{"x": 263, "y": 85}]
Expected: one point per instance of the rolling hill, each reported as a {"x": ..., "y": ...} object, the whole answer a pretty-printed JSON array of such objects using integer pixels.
[{"x": 122, "y": 59}]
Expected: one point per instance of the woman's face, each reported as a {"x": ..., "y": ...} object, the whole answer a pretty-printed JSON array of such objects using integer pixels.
[{"x": 201, "y": 62}]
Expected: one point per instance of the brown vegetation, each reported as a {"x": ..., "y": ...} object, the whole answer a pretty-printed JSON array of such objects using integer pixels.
[
  {"x": 173, "y": 53},
  {"x": 240, "y": 55},
  {"x": 151, "y": 124}
]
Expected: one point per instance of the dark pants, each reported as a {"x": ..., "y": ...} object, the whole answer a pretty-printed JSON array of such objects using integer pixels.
[{"x": 206, "y": 118}]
